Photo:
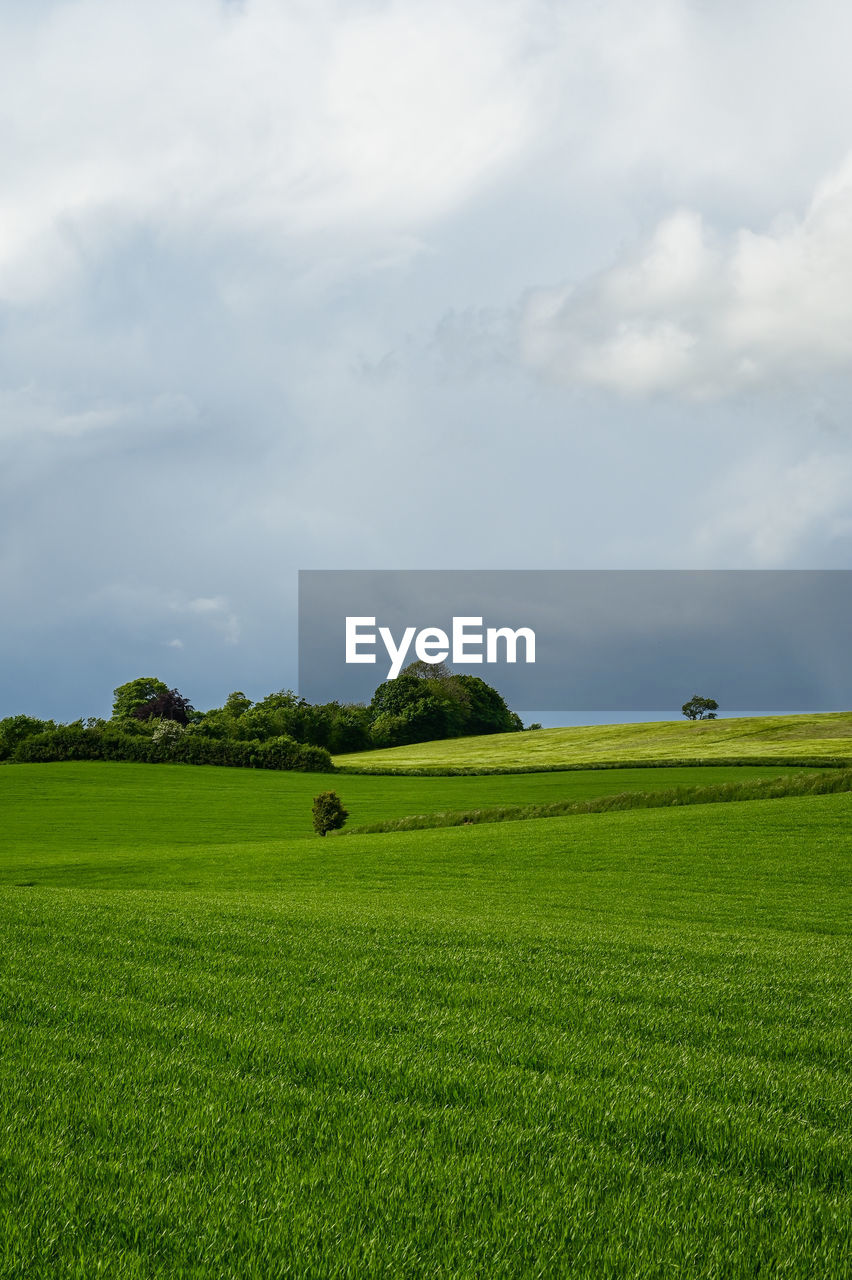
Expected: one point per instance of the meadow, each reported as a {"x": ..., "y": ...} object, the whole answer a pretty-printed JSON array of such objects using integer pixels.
[
  {"x": 819, "y": 737},
  {"x": 92, "y": 812},
  {"x": 603, "y": 1045}
]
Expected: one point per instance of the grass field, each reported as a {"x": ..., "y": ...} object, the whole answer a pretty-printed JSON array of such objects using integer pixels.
[
  {"x": 94, "y": 813},
  {"x": 612, "y": 1045},
  {"x": 818, "y": 737}
]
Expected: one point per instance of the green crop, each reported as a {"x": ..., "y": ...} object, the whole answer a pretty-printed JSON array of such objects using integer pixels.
[
  {"x": 799, "y": 739},
  {"x": 611, "y": 1045}
]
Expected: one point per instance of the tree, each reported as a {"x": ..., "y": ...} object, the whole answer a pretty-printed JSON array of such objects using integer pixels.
[
  {"x": 127, "y": 697},
  {"x": 14, "y": 729},
  {"x": 237, "y": 703},
  {"x": 328, "y": 812},
  {"x": 427, "y": 670},
  {"x": 420, "y": 706},
  {"x": 700, "y": 708},
  {"x": 168, "y": 705}
]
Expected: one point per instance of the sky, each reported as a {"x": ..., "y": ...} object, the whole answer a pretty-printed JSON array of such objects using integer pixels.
[{"x": 547, "y": 284}]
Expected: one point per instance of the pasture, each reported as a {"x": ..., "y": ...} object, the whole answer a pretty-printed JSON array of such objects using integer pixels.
[
  {"x": 826, "y": 736},
  {"x": 606, "y": 1045}
]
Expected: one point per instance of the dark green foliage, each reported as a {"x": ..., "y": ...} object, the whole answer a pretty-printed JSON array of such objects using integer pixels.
[
  {"x": 423, "y": 707},
  {"x": 128, "y": 697},
  {"x": 700, "y": 708},
  {"x": 334, "y": 726},
  {"x": 63, "y": 742},
  {"x": 14, "y": 729},
  {"x": 487, "y": 712},
  {"x": 76, "y": 742},
  {"x": 236, "y": 704},
  {"x": 425, "y": 719},
  {"x": 281, "y": 731},
  {"x": 328, "y": 812},
  {"x": 393, "y": 696},
  {"x": 428, "y": 670},
  {"x": 167, "y": 705}
]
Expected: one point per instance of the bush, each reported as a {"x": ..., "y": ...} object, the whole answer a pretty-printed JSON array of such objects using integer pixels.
[
  {"x": 67, "y": 742},
  {"x": 328, "y": 812},
  {"x": 14, "y": 729},
  {"x": 77, "y": 742}
]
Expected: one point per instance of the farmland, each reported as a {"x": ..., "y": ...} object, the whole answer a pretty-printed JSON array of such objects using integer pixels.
[
  {"x": 751, "y": 738},
  {"x": 602, "y": 1045}
]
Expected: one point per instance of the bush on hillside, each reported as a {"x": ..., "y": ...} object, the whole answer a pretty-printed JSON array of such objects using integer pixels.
[{"x": 328, "y": 812}]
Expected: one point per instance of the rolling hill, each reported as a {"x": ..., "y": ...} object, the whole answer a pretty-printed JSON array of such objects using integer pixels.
[{"x": 797, "y": 738}]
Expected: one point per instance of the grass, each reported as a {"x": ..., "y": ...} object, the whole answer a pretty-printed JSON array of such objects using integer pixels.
[
  {"x": 797, "y": 784},
  {"x": 611, "y": 1045},
  {"x": 90, "y": 810},
  {"x": 801, "y": 739}
]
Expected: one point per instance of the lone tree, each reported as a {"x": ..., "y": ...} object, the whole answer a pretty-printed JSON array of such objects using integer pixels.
[
  {"x": 329, "y": 813},
  {"x": 700, "y": 708}
]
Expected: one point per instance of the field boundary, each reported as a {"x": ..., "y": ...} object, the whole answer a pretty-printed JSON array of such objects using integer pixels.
[{"x": 802, "y": 784}]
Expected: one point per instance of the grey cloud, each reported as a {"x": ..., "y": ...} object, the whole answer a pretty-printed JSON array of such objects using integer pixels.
[{"x": 254, "y": 319}]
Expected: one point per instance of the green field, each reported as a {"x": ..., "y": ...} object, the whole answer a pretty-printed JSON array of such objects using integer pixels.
[
  {"x": 90, "y": 816},
  {"x": 612, "y": 1045},
  {"x": 804, "y": 737}
]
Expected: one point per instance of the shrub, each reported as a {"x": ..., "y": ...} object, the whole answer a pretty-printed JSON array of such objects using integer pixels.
[
  {"x": 328, "y": 812},
  {"x": 66, "y": 742},
  {"x": 78, "y": 742},
  {"x": 14, "y": 729}
]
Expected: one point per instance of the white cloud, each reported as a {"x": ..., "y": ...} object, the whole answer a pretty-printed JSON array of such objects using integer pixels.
[
  {"x": 217, "y": 612},
  {"x": 373, "y": 121},
  {"x": 699, "y": 314},
  {"x": 280, "y": 120}
]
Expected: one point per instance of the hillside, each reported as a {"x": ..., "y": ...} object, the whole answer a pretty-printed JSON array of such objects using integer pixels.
[
  {"x": 91, "y": 815},
  {"x": 813, "y": 737}
]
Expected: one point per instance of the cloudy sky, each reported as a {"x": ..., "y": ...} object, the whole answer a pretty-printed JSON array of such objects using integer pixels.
[{"x": 501, "y": 284}]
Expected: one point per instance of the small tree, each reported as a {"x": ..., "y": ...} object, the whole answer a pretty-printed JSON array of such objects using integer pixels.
[
  {"x": 329, "y": 813},
  {"x": 700, "y": 708}
]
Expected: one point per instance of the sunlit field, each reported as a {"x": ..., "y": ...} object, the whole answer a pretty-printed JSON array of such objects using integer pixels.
[
  {"x": 803, "y": 737},
  {"x": 603, "y": 1045}
]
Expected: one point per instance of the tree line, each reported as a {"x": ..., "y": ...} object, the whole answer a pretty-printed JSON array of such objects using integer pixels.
[{"x": 152, "y": 723}]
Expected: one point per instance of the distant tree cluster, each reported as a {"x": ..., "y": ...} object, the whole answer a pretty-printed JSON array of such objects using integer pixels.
[
  {"x": 428, "y": 702},
  {"x": 425, "y": 702},
  {"x": 151, "y": 722}
]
